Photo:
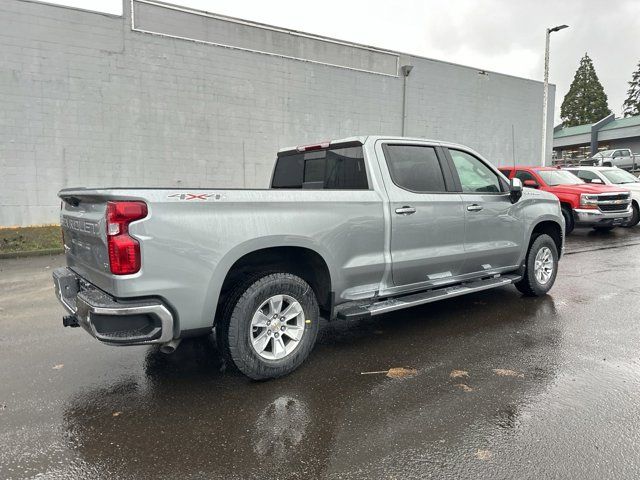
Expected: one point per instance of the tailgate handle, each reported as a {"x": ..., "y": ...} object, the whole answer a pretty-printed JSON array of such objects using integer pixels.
[
  {"x": 405, "y": 210},
  {"x": 73, "y": 201}
]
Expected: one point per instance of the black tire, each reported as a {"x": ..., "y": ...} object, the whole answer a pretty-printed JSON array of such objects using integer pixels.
[
  {"x": 529, "y": 285},
  {"x": 234, "y": 327},
  {"x": 569, "y": 223},
  {"x": 635, "y": 217},
  {"x": 603, "y": 229}
]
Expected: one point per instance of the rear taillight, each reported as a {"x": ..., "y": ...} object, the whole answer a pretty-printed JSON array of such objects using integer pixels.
[{"x": 124, "y": 251}]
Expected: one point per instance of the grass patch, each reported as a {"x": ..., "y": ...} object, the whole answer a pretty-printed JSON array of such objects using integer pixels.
[{"x": 29, "y": 239}]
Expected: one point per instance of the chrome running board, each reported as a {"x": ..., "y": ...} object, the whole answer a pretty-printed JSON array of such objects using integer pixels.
[{"x": 357, "y": 312}]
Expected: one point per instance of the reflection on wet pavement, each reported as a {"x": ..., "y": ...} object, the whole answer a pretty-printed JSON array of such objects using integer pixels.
[{"x": 548, "y": 388}]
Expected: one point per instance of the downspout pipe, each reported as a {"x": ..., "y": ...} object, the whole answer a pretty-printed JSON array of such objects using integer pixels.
[{"x": 405, "y": 70}]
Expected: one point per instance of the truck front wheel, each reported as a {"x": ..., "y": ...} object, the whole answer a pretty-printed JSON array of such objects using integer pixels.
[
  {"x": 635, "y": 218},
  {"x": 568, "y": 220},
  {"x": 541, "y": 267},
  {"x": 269, "y": 325}
]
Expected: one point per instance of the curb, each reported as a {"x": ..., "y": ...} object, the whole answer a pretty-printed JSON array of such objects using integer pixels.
[{"x": 31, "y": 253}]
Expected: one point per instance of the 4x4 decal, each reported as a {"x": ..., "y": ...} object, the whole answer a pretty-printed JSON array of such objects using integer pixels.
[{"x": 196, "y": 196}]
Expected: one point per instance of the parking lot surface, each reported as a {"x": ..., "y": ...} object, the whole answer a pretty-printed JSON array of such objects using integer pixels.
[{"x": 504, "y": 387}]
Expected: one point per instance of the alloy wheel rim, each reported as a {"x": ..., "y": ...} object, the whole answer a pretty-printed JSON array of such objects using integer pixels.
[
  {"x": 543, "y": 265},
  {"x": 277, "y": 327}
]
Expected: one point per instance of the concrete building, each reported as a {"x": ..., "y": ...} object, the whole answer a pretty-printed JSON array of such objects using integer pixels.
[
  {"x": 167, "y": 96},
  {"x": 582, "y": 141}
]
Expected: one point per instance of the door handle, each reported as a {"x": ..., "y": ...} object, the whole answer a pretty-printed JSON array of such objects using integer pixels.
[
  {"x": 474, "y": 207},
  {"x": 405, "y": 210}
]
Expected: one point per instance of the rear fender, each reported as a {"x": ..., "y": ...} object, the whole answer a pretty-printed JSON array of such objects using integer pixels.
[{"x": 239, "y": 251}]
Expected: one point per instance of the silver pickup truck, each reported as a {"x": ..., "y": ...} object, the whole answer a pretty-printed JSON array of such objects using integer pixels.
[
  {"x": 349, "y": 229},
  {"x": 620, "y": 157}
]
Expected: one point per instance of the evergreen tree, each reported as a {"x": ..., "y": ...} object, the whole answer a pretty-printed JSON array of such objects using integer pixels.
[
  {"x": 586, "y": 101},
  {"x": 631, "y": 105}
]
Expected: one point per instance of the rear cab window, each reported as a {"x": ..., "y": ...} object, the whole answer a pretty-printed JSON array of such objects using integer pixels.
[{"x": 340, "y": 167}]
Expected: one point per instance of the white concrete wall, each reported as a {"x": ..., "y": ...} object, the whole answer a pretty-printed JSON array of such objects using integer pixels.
[{"x": 87, "y": 101}]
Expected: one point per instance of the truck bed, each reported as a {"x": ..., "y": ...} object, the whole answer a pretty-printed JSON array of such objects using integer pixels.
[{"x": 191, "y": 232}]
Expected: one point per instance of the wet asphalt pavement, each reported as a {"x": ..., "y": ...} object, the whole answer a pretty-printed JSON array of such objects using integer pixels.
[{"x": 541, "y": 388}]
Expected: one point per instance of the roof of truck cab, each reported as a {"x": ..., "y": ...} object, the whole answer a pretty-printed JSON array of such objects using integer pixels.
[
  {"x": 360, "y": 139},
  {"x": 525, "y": 167},
  {"x": 364, "y": 138},
  {"x": 591, "y": 169}
]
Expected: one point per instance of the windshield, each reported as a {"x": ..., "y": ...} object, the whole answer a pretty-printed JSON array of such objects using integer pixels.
[
  {"x": 558, "y": 177},
  {"x": 618, "y": 176},
  {"x": 604, "y": 153}
]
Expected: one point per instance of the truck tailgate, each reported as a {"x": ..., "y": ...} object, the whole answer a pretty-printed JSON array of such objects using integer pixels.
[{"x": 84, "y": 233}]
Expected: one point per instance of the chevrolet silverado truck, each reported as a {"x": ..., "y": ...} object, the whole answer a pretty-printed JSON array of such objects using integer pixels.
[
  {"x": 601, "y": 207},
  {"x": 348, "y": 229},
  {"x": 613, "y": 176}
]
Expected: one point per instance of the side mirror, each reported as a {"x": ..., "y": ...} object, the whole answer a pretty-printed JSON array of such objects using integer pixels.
[
  {"x": 515, "y": 189},
  {"x": 596, "y": 180},
  {"x": 531, "y": 184}
]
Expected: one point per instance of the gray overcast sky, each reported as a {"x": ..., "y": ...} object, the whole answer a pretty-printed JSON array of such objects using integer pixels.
[{"x": 505, "y": 36}]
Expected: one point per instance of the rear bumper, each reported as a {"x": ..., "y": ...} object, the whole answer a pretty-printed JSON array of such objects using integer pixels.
[
  {"x": 111, "y": 321},
  {"x": 593, "y": 217}
]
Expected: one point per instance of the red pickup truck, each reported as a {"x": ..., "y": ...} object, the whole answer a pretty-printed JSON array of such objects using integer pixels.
[{"x": 583, "y": 204}]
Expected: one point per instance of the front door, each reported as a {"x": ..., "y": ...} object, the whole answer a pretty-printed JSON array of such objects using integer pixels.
[
  {"x": 494, "y": 231},
  {"x": 427, "y": 218}
]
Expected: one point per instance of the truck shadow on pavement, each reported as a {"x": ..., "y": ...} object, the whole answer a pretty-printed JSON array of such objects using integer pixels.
[{"x": 184, "y": 416}]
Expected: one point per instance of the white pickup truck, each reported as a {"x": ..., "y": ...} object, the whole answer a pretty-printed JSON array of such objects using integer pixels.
[{"x": 349, "y": 228}]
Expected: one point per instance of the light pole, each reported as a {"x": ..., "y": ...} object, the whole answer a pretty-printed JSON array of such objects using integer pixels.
[{"x": 545, "y": 99}]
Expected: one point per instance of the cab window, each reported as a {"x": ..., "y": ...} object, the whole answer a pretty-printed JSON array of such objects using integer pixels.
[
  {"x": 415, "y": 168},
  {"x": 621, "y": 153},
  {"x": 338, "y": 168},
  {"x": 524, "y": 175},
  {"x": 586, "y": 175},
  {"x": 475, "y": 176}
]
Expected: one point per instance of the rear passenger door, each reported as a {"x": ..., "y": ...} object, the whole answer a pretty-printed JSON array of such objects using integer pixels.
[
  {"x": 427, "y": 218},
  {"x": 494, "y": 231}
]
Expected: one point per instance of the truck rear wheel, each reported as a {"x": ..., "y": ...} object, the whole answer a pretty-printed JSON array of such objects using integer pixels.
[
  {"x": 269, "y": 325},
  {"x": 541, "y": 267}
]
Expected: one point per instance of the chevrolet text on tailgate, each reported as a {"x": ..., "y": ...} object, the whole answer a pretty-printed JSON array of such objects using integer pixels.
[{"x": 349, "y": 229}]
